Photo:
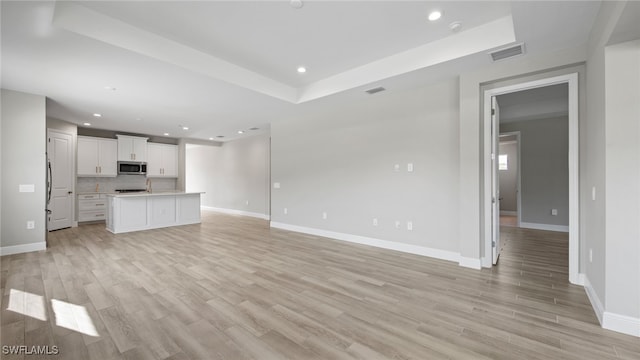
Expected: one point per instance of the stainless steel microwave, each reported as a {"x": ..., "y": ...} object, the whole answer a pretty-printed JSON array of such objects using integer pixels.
[{"x": 132, "y": 168}]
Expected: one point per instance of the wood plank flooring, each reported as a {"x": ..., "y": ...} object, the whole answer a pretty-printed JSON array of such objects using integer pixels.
[{"x": 232, "y": 288}]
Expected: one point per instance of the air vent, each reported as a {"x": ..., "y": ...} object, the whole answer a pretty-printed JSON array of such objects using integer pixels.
[
  {"x": 375, "y": 90},
  {"x": 506, "y": 53}
]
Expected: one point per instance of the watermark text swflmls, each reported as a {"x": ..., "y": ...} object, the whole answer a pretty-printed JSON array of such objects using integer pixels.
[{"x": 30, "y": 350}]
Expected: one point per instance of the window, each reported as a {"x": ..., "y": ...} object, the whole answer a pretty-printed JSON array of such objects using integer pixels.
[{"x": 503, "y": 162}]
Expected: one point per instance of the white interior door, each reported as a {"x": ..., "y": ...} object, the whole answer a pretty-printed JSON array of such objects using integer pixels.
[
  {"x": 60, "y": 180},
  {"x": 495, "y": 180}
]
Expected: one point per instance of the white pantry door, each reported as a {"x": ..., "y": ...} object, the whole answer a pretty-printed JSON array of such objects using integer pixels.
[{"x": 60, "y": 180}]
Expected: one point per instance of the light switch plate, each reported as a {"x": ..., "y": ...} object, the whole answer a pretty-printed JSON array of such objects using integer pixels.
[
  {"x": 24, "y": 188},
  {"x": 410, "y": 167},
  {"x": 276, "y": 185}
]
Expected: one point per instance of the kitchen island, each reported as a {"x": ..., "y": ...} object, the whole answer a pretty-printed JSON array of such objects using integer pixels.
[{"x": 150, "y": 210}]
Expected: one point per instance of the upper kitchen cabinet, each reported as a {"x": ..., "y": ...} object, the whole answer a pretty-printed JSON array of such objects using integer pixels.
[
  {"x": 97, "y": 157},
  {"x": 162, "y": 160},
  {"x": 132, "y": 148}
]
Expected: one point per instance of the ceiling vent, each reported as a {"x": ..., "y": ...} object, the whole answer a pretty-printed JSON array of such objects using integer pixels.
[
  {"x": 509, "y": 52},
  {"x": 375, "y": 90}
]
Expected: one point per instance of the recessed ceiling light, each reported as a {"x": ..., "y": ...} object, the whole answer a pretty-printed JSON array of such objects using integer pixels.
[
  {"x": 302, "y": 69},
  {"x": 166, "y": 134},
  {"x": 254, "y": 128},
  {"x": 220, "y": 136},
  {"x": 435, "y": 15},
  {"x": 185, "y": 128},
  {"x": 210, "y": 138},
  {"x": 240, "y": 132},
  {"x": 455, "y": 26},
  {"x": 296, "y": 4},
  {"x": 87, "y": 124},
  {"x": 110, "y": 88},
  {"x": 97, "y": 115}
]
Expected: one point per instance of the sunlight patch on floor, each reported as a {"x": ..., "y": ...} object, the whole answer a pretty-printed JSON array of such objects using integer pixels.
[
  {"x": 73, "y": 317},
  {"x": 28, "y": 304}
]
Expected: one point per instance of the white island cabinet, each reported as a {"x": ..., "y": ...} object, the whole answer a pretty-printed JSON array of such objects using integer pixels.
[{"x": 143, "y": 211}]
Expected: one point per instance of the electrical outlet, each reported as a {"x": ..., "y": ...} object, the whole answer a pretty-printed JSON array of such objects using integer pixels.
[
  {"x": 276, "y": 185},
  {"x": 410, "y": 225},
  {"x": 286, "y": 211},
  {"x": 396, "y": 167},
  {"x": 397, "y": 224},
  {"x": 31, "y": 224},
  {"x": 324, "y": 215},
  {"x": 590, "y": 255},
  {"x": 410, "y": 167},
  {"x": 554, "y": 212},
  {"x": 375, "y": 221},
  {"x": 593, "y": 193}
]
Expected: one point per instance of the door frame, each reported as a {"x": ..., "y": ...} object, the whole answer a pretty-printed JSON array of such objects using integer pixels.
[
  {"x": 518, "y": 181},
  {"x": 574, "y": 197}
]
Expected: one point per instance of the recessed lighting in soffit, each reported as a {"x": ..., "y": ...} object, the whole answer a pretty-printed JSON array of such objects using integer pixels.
[
  {"x": 97, "y": 115},
  {"x": 435, "y": 15},
  {"x": 296, "y": 4},
  {"x": 87, "y": 124},
  {"x": 302, "y": 69}
]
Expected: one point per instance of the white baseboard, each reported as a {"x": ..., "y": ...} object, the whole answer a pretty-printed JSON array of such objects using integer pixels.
[
  {"x": 508, "y": 213},
  {"x": 19, "y": 249},
  {"x": 549, "y": 227},
  {"x": 236, "y": 212},
  {"x": 470, "y": 263},
  {"x": 621, "y": 323},
  {"x": 596, "y": 304},
  {"x": 385, "y": 244}
]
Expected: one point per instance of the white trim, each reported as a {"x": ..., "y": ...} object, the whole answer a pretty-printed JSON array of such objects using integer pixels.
[
  {"x": 574, "y": 196},
  {"x": 384, "y": 244},
  {"x": 594, "y": 299},
  {"x": 621, "y": 323},
  {"x": 236, "y": 212},
  {"x": 470, "y": 263},
  {"x": 25, "y": 248},
  {"x": 548, "y": 227},
  {"x": 581, "y": 279},
  {"x": 508, "y": 213},
  {"x": 608, "y": 320}
]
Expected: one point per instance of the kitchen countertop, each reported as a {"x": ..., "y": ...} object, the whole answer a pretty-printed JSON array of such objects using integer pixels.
[{"x": 153, "y": 193}]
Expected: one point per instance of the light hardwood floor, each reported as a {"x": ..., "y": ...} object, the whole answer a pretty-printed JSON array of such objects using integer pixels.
[{"x": 232, "y": 288}]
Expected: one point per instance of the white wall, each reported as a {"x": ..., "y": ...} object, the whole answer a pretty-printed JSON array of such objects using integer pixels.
[
  {"x": 234, "y": 176},
  {"x": 23, "y": 162},
  {"x": 340, "y": 160},
  {"x": 622, "y": 203}
]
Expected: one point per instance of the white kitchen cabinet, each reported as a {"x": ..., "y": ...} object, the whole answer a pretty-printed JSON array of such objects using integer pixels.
[
  {"x": 97, "y": 157},
  {"x": 162, "y": 160},
  {"x": 132, "y": 148},
  {"x": 92, "y": 207}
]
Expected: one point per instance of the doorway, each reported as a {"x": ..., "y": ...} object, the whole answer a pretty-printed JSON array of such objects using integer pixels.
[
  {"x": 509, "y": 179},
  {"x": 490, "y": 154}
]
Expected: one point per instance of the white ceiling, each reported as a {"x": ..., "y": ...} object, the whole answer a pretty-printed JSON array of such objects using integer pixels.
[{"x": 219, "y": 67}]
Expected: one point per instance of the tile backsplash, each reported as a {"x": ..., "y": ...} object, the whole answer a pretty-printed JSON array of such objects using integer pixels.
[{"x": 105, "y": 185}]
